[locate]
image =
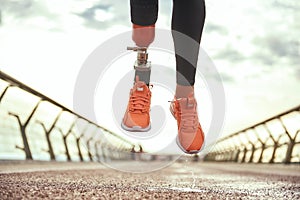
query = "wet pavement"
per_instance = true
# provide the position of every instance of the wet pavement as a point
(185, 180)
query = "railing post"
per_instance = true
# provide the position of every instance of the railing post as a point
(89, 146)
(231, 150)
(65, 137)
(236, 151)
(50, 151)
(275, 143)
(3, 93)
(48, 132)
(66, 148)
(96, 150)
(26, 147)
(244, 147)
(78, 147)
(262, 145)
(23, 130)
(244, 156)
(236, 159)
(78, 141)
(289, 151)
(252, 152)
(290, 144)
(252, 148)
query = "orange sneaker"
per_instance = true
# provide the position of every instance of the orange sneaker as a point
(190, 135)
(137, 115)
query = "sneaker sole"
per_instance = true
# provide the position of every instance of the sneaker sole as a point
(135, 128)
(191, 151)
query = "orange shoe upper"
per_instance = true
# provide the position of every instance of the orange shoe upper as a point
(190, 134)
(138, 109)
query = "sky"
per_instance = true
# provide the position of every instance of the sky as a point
(254, 45)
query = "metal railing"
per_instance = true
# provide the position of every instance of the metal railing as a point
(275, 140)
(33, 126)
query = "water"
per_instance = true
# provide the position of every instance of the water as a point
(190, 170)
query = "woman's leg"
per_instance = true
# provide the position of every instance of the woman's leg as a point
(187, 25)
(188, 19)
(143, 18)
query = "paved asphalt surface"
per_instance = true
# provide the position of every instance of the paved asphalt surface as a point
(185, 180)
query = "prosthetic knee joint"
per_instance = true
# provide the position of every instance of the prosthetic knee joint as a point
(142, 66)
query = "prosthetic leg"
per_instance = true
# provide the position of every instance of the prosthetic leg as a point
(143, 18)
(142, 66)
(137, 115)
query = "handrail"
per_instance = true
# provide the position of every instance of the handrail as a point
(23, 128)
(296, 108)
(21, 85)
(242, 152)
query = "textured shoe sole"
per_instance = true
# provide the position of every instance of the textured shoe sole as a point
(189, 152)
(135, 128)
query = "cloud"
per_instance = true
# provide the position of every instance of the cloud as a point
(0, 17)
(278, 46)
(96, 16)
(264, 59)
(111, 13)
(269, 40)
(90, 13)
(29, 14)
(211, 27)
(229, 53)
(26, 9)
(17, 8)
(120, 10)
(287, 4)
(226, 77)
(90, 16)
(274, 50)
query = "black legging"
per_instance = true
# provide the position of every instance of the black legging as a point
(188, 18)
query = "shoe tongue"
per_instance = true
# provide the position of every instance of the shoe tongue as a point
(188, 103)
(140, 87)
